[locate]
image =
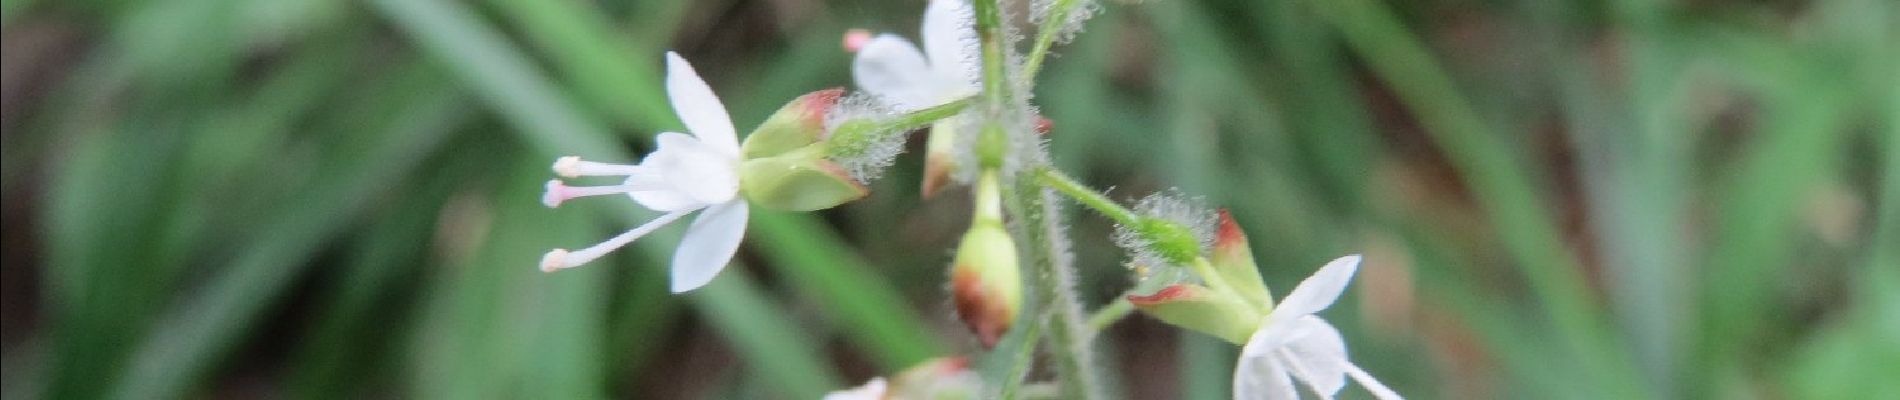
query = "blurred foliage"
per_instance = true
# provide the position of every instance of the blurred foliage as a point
(1558, 199)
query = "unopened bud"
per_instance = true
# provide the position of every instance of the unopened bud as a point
(796, 125)
(940, 158)
(799, 180)
(1204, 310)
(986, 282)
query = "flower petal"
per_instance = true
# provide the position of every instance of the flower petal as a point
(950, 39)
(891, 68)
(697, 107)
(1260, 377)
(1318, 291)
(709, 244)
(695, 168)
(1319, 353)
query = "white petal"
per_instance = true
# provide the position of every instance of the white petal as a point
(709, 245)
(1320, 290)
(1260, 377)
(950, 39)
(873, 390)
(694, 168)
(891, 68)
(697, 107)
(1320, 353)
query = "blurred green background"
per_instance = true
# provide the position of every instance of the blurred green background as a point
(1559, 199)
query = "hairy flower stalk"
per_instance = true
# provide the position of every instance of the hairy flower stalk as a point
(1035, 211)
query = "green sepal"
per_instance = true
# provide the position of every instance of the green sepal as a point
(1234, 261)
(799, 180)
(1200, 309)
(796, 125)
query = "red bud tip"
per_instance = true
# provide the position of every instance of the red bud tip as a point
(982, 310)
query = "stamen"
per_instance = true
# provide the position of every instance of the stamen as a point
(558, 259)
(572, 167)
(856, 39)
(558, 191)
(1372, 385)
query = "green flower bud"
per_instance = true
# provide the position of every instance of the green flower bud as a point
(796, 125)
(986, 278)
(939, 156)
(1204, 310)
(798, 180)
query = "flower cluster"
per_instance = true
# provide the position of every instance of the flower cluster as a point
(1193, 266)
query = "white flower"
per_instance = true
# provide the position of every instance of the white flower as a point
(892, 69)
(873, 390)
(687, 173)
(1292, 344)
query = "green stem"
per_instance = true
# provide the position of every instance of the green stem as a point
(1067, 186)
(853, 137)
(918, 118)
(1046, 36)
(990, 37)
(1110, 313)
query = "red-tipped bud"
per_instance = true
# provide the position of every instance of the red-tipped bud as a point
(939, 157)
(986, 282)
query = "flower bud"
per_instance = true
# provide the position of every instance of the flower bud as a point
(798, 180)
(986, 279)
(1198, 308)
(796, 125)
(986, 282)
(940, 157)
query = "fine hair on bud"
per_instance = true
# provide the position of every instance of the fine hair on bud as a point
(1174, 207)
(1079, 12)
(873, 151)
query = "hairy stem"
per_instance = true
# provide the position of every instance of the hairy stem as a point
(1067, 186)
(1052, 22)
(1035, 211)
(1114, 311)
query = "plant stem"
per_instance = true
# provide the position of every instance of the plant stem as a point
(989, 35)
(1114, 311)
(1062, 183)
(1035, 211)
(1046, 36)
(918, 118)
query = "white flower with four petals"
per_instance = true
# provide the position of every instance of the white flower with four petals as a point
(894, 70)
(688, 173)
(1293, 344)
